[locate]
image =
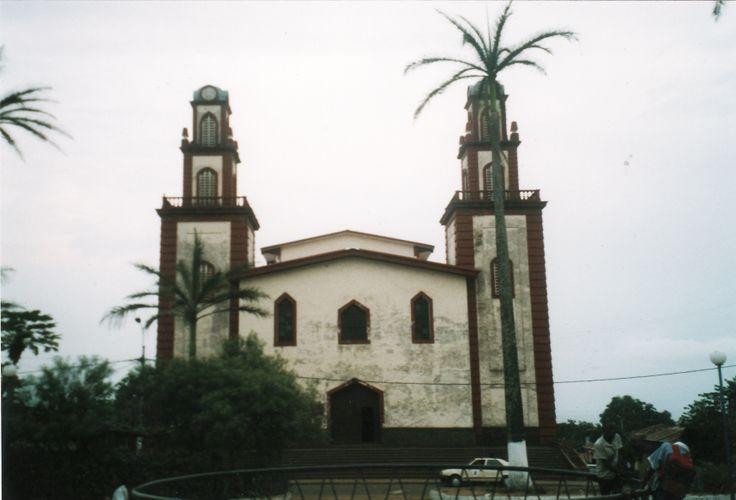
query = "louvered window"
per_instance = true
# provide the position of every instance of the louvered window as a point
(421, 319)
(465, 181)
(285, 321)
(206, 186)
(485, 125)
(495, 282)
(488, 178)
(206, 271)
(353, 323)
(208, 130)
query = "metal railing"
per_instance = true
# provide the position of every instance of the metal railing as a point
(384, 481)
(523, 195)
(204, 202)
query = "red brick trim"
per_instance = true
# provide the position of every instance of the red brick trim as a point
(472, 163)
(367, 324)
(464, 244)
(227, 176)
(238, 259)
(276, 341)
(475, 396)
(167, 266)
(187, 192)
(359, 253)
(514, 163)
(414, 338)
(350, 382)
(540, 328)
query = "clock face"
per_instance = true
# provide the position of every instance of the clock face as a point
(208, 93)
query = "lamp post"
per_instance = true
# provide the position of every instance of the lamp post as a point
(718, 358)
(139, 438)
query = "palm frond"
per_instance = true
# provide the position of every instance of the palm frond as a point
(717, 8)
(478, 35)
(439, 90)
(526, 62)
(531, 44)
(256, 311)
(22, 96)
(468, 37)
(431, 60)
(115, 316)
(496, 48)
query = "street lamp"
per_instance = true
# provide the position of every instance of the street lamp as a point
(718, 358)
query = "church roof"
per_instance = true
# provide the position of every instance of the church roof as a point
(361, 254)
(342, 240)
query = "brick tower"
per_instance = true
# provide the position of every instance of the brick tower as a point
(211, 207)
(470, 237)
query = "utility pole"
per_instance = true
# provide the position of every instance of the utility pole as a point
(718, 359)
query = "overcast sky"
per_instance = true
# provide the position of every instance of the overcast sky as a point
(629, 136)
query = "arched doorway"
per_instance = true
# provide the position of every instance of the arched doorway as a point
(356, 413)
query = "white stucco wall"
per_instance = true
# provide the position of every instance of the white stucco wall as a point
(251, 245)
(341, 242)
(200, 162)
(386, 289)
(489, 320)
(450, 233)
(212, 329)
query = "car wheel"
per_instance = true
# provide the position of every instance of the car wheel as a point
(456, 481)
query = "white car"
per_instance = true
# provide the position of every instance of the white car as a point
(470, 474)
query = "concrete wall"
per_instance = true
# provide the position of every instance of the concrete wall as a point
(212, 330)
(386, 289)
(343, 241)
(489, 320)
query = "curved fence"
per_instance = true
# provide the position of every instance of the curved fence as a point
(383, 481)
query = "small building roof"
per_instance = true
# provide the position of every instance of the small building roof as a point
(362, 254)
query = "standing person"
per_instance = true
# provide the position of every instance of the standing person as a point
(605, 452)
(671, 472)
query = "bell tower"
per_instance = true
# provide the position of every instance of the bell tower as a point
(211, 208)
(470, 238)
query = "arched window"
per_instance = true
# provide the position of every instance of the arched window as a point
(496, 284)
(485, 125)
(284, 321)
(422, 323)
(208, 130)
(353, 321)
(488, 178)
(206, 270)
(207, 185)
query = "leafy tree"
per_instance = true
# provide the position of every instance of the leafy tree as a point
(488, 59)
(58, 432)
(629, 414)
(195, 292)
(23, 329)
(577, 432)
(702, 420)
(20, 109)
(242, 406)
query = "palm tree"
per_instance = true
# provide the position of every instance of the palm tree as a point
(488, 59)
(18, 109)
(196, 291)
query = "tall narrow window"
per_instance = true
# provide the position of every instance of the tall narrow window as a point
(353, 321)
(485, 125)
(206, 270)
(465, 180)
(284, 321)
(206, 186)
(488, 179)
(422, 327)
(496, 284)
(208, 130)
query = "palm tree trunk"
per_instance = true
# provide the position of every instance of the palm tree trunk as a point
(512, 388)
(192, 339)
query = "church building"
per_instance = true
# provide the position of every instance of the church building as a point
(402, 349)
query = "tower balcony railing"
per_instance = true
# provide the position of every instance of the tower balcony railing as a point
(204, 202)
(523, 195)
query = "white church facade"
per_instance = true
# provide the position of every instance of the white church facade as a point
(403, 350)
